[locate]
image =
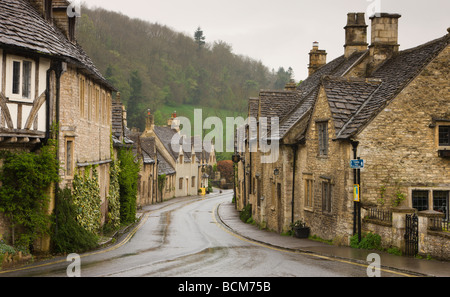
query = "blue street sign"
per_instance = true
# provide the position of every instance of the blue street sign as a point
(357, 164)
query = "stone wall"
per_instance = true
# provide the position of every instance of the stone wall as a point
(87, 126)
(400, 145)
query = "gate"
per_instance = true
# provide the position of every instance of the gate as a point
(412, 235)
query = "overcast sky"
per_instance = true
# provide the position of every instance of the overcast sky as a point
(281, 32)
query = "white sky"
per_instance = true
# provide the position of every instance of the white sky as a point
(281, 32)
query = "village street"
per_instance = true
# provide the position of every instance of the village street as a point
(184, 237)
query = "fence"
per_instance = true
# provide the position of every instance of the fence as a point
(380, 214)
(438, 224)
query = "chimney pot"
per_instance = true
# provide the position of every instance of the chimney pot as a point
(317, 58)
(384, 41)
(355, 33)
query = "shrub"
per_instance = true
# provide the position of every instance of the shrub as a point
(26, 180)
(69, 236)
(246, 213)
(369, 241)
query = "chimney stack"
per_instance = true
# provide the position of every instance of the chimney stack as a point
(355, 34)
(173, 121)
(149, 121)
(317, 58)
(291, 86)
(384, 40)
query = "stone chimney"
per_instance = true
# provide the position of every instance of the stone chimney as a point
(173, 120)
(384, 40)
(44, 7)
(291, 86)
(355, 34)
(317, 58)
(149, 121)
(57, 12)
(64, 20)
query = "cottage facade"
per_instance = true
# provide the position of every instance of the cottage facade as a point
(383, 105)
(48, 84)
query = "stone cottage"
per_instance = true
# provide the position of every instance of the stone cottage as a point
(47, 78)
(385, 106)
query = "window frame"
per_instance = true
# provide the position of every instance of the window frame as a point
(432, 198)
(327, 194)
(308, 183)
(447, 143)
(15, 79)
(323, 138)
(69, 157)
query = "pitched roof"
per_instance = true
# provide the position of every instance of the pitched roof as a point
(22, 27)
(165, 135)
(347, 95)
(164, 166)
(395, 74)
(309, 88)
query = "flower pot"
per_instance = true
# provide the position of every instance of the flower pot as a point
(301, 232)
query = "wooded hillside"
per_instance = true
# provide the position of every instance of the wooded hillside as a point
(153, 66)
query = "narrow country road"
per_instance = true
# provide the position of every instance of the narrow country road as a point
(183, 237)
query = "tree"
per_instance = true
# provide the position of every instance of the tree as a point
(199, 37)
(136, 106)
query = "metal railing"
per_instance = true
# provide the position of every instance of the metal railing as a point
(380, 214)
(438, 224)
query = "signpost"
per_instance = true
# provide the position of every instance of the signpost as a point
(357, 164)
(356, 193)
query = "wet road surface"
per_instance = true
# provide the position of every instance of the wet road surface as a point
(184, 238)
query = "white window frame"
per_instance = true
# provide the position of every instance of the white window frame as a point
(10, 79)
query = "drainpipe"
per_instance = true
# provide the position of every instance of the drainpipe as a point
(294, 150)
(356, 205)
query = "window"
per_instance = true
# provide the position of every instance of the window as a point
(89, 104)
(444, 135)
(326, 196)
(420, 200)
(440, 202)
(193, 181)
(21, 80)
(82, 96)
(180, 186)
(69, 157)
(309, 192)
(26, 79)
(322, 128)
(96, 105)
(16, 77)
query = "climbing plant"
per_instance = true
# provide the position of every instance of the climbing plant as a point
(26, 179)
(128, 182)
(114, 195)
(68, 235)
(87, 200)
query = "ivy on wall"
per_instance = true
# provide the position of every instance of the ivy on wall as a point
(128, 181)
(87, 200)
(114, 195)
(26, 180)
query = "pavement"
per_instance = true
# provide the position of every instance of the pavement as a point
(409, 265)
